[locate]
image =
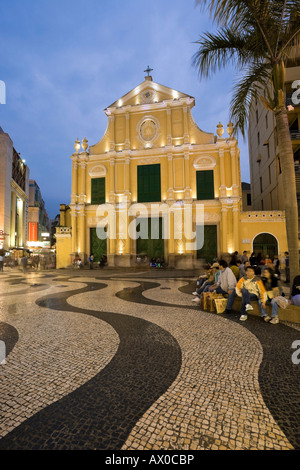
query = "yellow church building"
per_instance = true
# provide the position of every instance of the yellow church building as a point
(156, 185)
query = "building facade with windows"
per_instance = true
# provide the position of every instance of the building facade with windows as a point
(246, 197)
(265, 167)
(155, 172)
(38, 220)
(14, 190)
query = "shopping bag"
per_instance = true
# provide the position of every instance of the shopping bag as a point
(204, 300)
(213, 296)
(220, 305)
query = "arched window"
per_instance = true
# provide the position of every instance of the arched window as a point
(265, 244)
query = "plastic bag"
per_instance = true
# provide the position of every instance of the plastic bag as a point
(281, 301)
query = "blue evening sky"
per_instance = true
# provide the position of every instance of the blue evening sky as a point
(65, 61)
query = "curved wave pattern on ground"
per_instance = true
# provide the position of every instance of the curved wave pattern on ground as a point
(278, 378)
(101, 413)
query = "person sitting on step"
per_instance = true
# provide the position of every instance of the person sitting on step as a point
(270, 281)
(251, 288)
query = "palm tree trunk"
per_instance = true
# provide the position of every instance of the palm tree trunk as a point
(289, 188)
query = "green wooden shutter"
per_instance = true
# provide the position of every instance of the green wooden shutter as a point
(205, 185)
(152, 247)
(209, 251)
(97, 246)
(98, 191)
(149, 184)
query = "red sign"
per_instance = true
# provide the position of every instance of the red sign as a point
(32, 231)
(3, 235)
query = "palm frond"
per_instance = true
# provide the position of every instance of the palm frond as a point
(272, 19)
(255, 80)
(216, 51)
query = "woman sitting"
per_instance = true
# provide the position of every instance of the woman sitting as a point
(295, 293)
(270, 282)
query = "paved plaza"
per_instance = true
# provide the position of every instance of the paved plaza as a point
(115, 360)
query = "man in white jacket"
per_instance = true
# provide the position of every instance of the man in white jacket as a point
(226, 284)
(227, 280)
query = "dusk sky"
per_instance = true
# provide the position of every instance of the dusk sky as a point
(65, 61)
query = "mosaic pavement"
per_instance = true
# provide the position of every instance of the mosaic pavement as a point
(116, 361)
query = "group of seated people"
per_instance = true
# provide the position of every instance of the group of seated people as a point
(154, 262)
(157, 262)
(250, 282)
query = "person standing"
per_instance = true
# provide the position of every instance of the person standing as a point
(276, 263)
(91, 260)
(253, 259)
(242, 269)
(244, 257)
(1, 262)
(24, 263)
(287, 267)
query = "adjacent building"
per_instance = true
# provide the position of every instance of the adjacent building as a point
(265, 168)
(38, 220)
(246, 197)
(14, 191)
(155, 172)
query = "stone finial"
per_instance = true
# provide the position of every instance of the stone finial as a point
(220, 130)
(77, 145)
(230, 129)
(85, 144)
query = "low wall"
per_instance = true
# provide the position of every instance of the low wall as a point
(291, 313)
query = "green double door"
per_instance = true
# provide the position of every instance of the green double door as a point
(97, 246)
(153, 245)
(265, 244)
(209, 251)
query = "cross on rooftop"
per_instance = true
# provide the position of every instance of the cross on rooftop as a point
(148, 70)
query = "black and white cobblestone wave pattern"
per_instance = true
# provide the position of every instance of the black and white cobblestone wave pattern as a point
(279, 377)
(101, 413)
(100, 416)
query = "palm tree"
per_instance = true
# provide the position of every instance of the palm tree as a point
(258, 37)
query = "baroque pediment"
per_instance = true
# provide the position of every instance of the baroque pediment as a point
(148, 92)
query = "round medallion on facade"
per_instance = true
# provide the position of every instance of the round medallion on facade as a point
(148, 130)
(147, 96)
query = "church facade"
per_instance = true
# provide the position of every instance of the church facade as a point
(157, 186)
